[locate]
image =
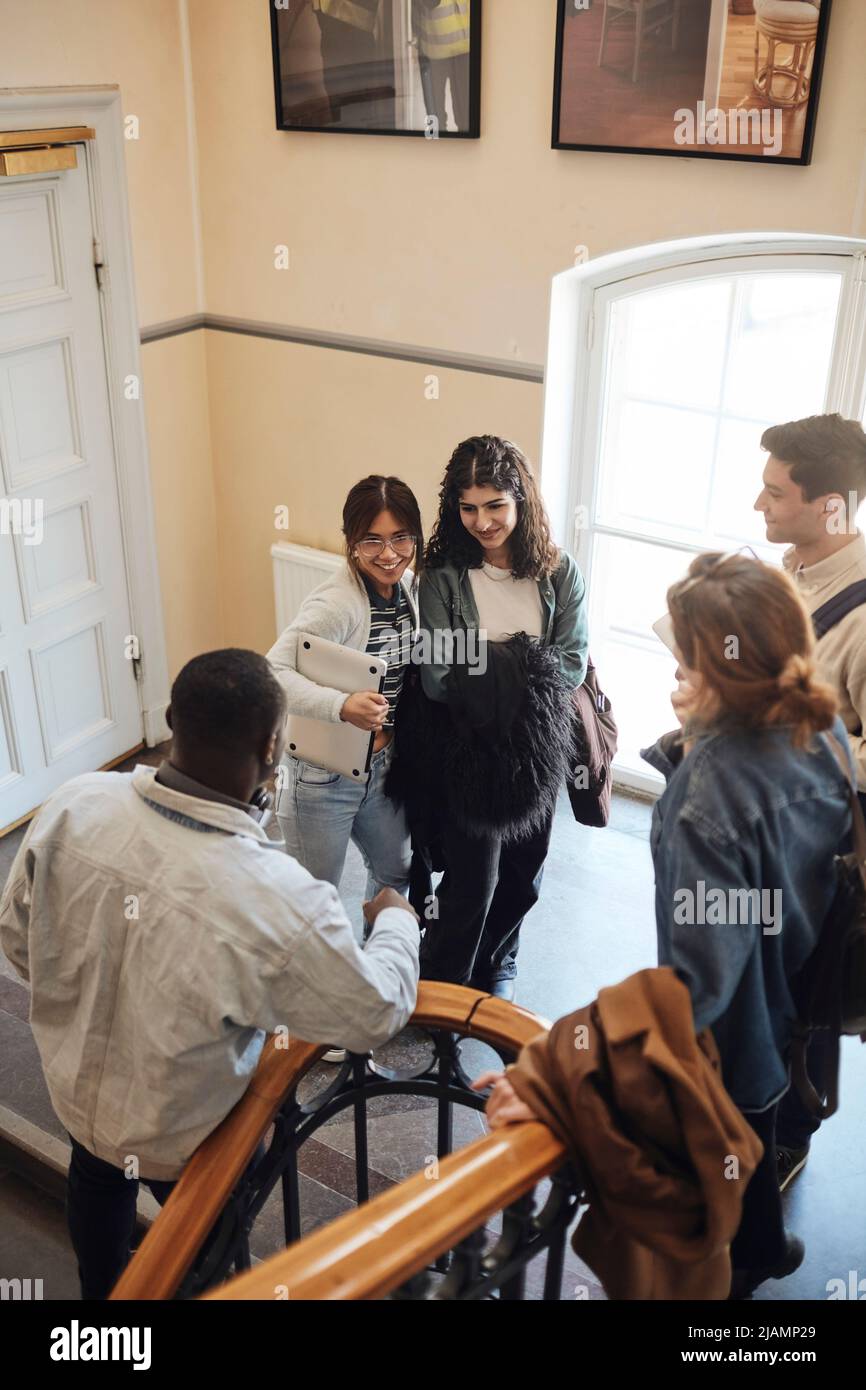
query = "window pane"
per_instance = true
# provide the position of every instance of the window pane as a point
(630, 580)
(740, 463)
(695, 372)
(668, 344)
(658, 470)
(781, 346)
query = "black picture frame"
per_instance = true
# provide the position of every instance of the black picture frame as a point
(277, 8)
(567, 12)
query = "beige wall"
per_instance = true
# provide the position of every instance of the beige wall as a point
(136, 45)
(450, 245)
(317, 422)
(446, 245)
(176, 395)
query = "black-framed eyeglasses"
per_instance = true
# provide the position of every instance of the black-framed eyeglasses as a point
(402, 545)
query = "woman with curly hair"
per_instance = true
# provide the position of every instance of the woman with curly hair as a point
(503, 614)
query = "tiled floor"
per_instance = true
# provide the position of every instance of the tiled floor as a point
(592, 927)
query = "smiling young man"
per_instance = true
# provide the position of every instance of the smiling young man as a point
(814, 483)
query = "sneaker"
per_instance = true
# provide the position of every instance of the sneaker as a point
(335, 1054)
(789, 1162)
(745, 1281)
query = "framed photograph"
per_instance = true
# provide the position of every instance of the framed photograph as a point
(706, 79)
(378, 67)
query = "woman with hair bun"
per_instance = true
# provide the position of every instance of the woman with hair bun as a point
(743, 842)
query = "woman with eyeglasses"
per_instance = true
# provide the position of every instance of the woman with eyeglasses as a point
(370, 605)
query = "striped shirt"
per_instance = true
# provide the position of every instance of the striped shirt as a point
(391, 639)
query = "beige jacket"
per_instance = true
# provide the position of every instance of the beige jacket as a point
(163, 936)
(841, 653)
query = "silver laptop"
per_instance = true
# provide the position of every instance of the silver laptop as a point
(335, 747)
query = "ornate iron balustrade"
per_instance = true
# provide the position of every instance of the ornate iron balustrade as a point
(203, 1232)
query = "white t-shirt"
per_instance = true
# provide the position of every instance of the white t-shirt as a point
(506, 605)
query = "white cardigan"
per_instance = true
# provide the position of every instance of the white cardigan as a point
(339, 611)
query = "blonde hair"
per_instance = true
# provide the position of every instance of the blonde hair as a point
(742, 626)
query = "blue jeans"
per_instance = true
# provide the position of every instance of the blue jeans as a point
(320, 812)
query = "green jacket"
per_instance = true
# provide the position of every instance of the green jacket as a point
(446, 604)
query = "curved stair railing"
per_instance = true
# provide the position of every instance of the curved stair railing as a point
(201, 1235)
(393, 1246)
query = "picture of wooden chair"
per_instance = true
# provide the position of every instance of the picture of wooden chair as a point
(650, 16)
(785, 23)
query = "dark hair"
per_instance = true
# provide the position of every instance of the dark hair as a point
(825, 454)
(227, 699)
(488, 461)
(769, 677)
(366, 500)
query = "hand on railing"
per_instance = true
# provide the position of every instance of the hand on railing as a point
(504, 1106)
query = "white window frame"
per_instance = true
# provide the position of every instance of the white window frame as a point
(100, 107)
(577, 357)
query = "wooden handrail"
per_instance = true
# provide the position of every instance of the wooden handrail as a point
(369, 1252)
(173, 1241)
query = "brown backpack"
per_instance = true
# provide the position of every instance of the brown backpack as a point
(595, 741)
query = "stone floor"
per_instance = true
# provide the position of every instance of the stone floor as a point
(593, 926)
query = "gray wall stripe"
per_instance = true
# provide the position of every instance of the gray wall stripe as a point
(371, 347)
(173, 328)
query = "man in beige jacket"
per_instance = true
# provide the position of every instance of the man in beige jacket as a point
(163, 934)
(814, 483)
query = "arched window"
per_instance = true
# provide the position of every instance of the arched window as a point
(665, 365)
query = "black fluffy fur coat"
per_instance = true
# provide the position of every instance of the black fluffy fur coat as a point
(493, 758)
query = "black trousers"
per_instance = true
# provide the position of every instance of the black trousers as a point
(760, 1239)
(486, 891)
(100, 1211)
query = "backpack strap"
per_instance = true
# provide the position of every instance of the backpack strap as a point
(838, 607)
(858, 821)
(800, 1079)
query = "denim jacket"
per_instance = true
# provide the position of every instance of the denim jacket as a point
(743, 841)
(446, 604)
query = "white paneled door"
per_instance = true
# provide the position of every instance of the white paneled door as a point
(68, 696)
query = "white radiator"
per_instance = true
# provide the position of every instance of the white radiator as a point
(297, 570)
